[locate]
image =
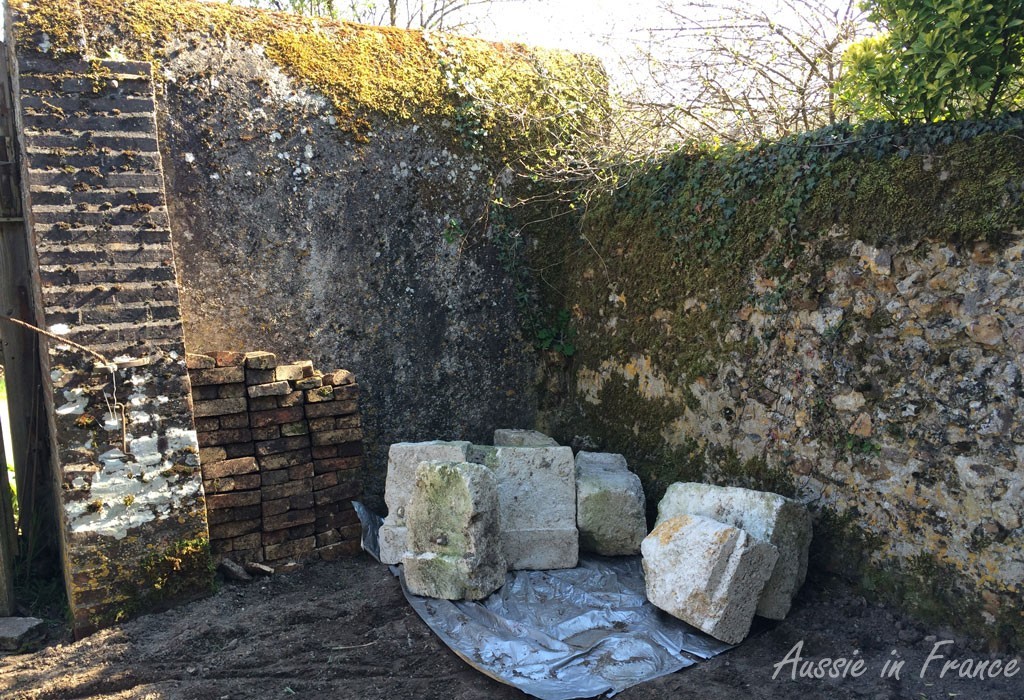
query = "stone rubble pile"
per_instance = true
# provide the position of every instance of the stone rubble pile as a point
(461, 515)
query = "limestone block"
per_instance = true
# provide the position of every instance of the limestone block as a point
(537, 503)
(403, 458)
(770, 517)
(610, 505)
(507, 437)
(707, 574)
(453, 536)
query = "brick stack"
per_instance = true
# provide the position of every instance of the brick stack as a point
(281, 449)
(231, 475)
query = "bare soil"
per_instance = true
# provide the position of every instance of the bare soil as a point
(344, 630)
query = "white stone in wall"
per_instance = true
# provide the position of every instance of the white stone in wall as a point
(403, 459)
(610, 505)
(783, 522)
(508, 437)
(455, 549)
(537, 500)
(707, 574)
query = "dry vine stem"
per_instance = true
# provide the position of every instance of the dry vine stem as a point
(107, 364)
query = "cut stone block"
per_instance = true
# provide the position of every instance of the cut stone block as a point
(454, 542)
(20, 633)
(610, 505)
(403, 459)
(537, 500)
(508, 437)
(770, 517)
(707, 574)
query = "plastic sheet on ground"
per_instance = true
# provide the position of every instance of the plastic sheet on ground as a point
(569, 633)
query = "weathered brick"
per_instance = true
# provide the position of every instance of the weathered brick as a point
(322, 424)
(302, 501)
(226, 484)
(273, 389)
(337, 437)
(325, 451)
(323, 466)
(231, 391)
(279, 416)
(218, 375)
(234, 421)
(219, 407)
(249, 544)
(314, 382)
(206, 424)
(234, 528)
(273, 477)
(332, 536)
(301, 471)
(270, 433)
(295, 398)
(260, 360)
(220, 546)
(240, 449)
(289, 519)
(344, 491)
(288, 534)
(259, 376)
(224, 437)
(352, 421)
(289, 488)
(205, 393)
(264, 403)
(226, 515)
(331, 408)
(296, 428)
(294, 371)
(290, 549)
(285, 459)
(333, 552)
(211, 454)
(230, 467)
(325, 480)
(228, 358)
(290, 444)
(339, 377)
(233, 500)
(195, 361)
(339, 517)
(324, 393)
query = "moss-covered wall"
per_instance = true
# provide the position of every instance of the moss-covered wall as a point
(329, 189)
(838, 317)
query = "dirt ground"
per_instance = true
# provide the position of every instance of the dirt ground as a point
(344, 630)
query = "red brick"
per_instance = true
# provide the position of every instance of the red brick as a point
(325, 480)
(205, 393)
(325, 451)
(212, 454)
(207, 424)
(196, 361)
(219, 407)
(272, 389)
(296, 370)
(339, 377)
(318, 424)
(295, 398)
(263, 403)
(240, 449)
(324, 393)
(231, 391)
(270, 433)
(301, 471)
(254, 377)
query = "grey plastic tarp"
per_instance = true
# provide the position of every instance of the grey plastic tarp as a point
(567, 633)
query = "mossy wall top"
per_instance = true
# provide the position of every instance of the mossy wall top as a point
(400, 74)
(837, 317)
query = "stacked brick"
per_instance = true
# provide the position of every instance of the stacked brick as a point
(281, 453)
(100, 234)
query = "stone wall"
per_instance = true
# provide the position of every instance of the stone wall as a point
(875, 375)
(121, 423)
(282, 455)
